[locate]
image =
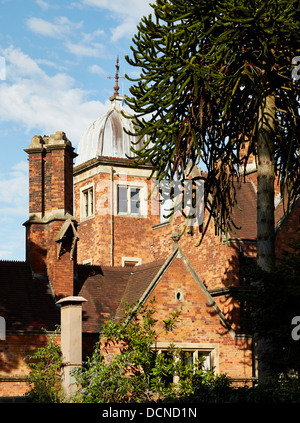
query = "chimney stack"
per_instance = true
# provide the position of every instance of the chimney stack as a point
(51, 228)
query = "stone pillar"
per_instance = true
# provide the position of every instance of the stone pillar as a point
(71, 339)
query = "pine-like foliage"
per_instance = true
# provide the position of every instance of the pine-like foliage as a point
(207, 69)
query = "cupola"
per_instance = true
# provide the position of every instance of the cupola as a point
(106, 136)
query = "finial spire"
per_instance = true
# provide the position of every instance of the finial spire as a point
(116, 99)
(116, 87)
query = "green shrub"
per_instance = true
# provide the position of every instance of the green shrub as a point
(45, 376)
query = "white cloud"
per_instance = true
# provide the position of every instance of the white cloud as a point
(20, 64)
(13, 211)
(128, 13)
(127, 27)
(86, 50)
(51, 64)
(42, 4)
(61, 26)
(96, 69)
(14, 190)
(131, 8)
(65, 30)
(34, 99)
(87, 47)
(12, 235)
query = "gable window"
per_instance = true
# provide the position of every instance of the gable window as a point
(87, 202)
(129, 200)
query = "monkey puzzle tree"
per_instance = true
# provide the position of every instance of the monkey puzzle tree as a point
(216, 76)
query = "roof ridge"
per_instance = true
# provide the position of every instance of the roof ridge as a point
(149, 265)
(14, 262)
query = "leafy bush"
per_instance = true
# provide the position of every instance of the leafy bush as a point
(137, 371)
(45, 376)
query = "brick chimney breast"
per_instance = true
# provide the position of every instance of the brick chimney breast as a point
(50, 205)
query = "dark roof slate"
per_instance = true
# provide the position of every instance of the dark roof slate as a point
(105, 287)
(26, 301)
(244, 215)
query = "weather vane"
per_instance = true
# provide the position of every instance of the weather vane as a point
(117, 77)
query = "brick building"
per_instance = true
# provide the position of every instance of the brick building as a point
(111, 245)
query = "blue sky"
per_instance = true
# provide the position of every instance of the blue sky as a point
(55, 60)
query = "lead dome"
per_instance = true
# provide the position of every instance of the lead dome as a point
(106, 136)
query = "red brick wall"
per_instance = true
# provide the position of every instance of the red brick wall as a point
(50, 174)
(132, 236)
(289, 232)
(36, 180)
(41, 252)
(36, 247)
(50, 191)
(199, 323)
(215, 262)
(14, 369)
(60, 270)
(59, 179)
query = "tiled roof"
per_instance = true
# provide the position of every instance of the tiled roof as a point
(26, 302)
(138, 281)
(104, 287)
(244, 215)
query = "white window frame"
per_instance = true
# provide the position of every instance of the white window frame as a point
(142, 186)
(136, 260)
(85, 215)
